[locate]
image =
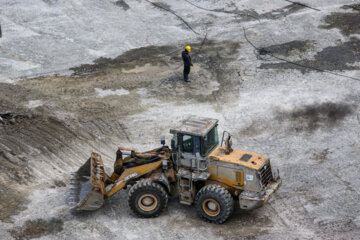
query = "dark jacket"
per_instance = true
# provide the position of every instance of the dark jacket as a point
(186, 58)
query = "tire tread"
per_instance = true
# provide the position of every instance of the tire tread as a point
(147, 184)
(225, 197)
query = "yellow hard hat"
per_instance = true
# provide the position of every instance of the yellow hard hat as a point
(188, 48)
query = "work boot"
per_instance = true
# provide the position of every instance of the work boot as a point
(186, 78)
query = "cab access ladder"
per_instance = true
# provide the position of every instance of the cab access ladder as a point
(187, 175)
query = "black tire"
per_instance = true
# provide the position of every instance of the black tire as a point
(214, 204)
(147, 198)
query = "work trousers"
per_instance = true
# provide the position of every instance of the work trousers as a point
(186, 72)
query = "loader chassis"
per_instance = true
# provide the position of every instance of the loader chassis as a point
(195, 168)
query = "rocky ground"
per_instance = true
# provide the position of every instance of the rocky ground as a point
(81, 76)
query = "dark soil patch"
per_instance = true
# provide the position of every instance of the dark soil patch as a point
(289, 48)
(12, 202)
(330, 58)
(320, 157)
(123, 4)
(348, 23)
(11, 96)
(345, 225)
(37, 228)
(309, 196)
(312, 117)
(59, 183)
(212, 60)
(210, 57)
(255, 128)
(129, 59)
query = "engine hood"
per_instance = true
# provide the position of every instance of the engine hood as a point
(248, 159)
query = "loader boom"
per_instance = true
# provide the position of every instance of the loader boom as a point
(90, 181)
(132, 173)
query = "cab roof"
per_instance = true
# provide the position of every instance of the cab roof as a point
(196, 126)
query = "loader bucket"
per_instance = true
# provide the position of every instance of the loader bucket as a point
(87, 185)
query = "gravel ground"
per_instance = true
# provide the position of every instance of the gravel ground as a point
(82, 76)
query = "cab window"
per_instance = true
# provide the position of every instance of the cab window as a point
(187, 144)
(175, 139)
(210, 141)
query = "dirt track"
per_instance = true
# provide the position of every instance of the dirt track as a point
(302, 118)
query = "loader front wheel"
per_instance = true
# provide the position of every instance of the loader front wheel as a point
(214, 204)
(147, 198)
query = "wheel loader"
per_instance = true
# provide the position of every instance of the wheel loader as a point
(196, 168)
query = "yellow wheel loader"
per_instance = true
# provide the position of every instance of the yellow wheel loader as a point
(195, 168)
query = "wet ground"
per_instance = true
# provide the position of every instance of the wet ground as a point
(283, 78)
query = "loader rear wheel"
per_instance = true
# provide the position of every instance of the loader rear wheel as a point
(214, 204)
(147, 198)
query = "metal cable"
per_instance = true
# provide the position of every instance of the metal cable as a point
(171, 11)
(304, 5)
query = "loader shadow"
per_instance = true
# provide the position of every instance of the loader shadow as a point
(242, 224)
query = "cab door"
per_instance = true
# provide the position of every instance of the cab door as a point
(189, 146)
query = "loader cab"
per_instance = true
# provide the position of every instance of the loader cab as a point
(195, 136)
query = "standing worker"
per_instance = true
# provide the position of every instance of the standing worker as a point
(187, 62)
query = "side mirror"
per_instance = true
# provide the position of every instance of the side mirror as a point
(163, 140)
(172, 144)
